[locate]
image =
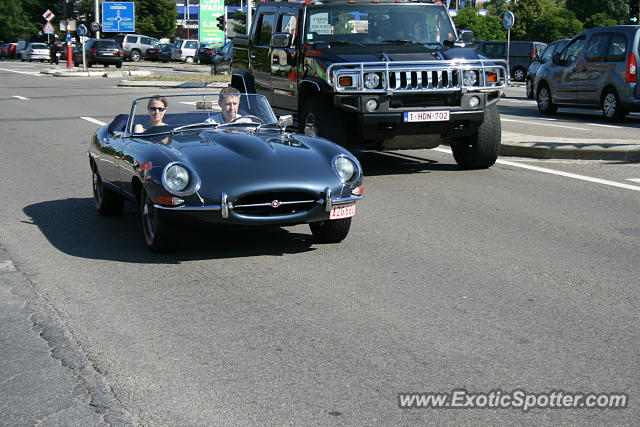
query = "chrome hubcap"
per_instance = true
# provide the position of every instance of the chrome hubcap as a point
(543, 98)
(97, 188)
(148, 212)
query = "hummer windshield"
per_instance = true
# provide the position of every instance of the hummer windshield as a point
(360, 24)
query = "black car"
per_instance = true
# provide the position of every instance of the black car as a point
(153, 53)
(206, 52)
(165, 53)
(103, 51)
(221, 63)
(520, 53)
(197, 166)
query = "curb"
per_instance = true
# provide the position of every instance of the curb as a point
(80, 73)
(153, 83)
(515, 144)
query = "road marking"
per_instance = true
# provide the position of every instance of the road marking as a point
(22, 98)
(21, 72)
(607, 126)
(633, 179)
(542, 124)
(554, 172)
(92, 120)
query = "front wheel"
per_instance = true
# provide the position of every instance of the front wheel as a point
(189, 59)
(518, 74)
(107, 201)
(158, 233)
(529, 89)
(330, 231)
(480, 151)
(545, 102)
(321, 118)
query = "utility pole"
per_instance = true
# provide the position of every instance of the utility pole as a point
(97, 11)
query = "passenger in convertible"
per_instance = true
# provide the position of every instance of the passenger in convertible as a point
(157, 107)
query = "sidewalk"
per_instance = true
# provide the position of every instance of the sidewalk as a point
(45, 378)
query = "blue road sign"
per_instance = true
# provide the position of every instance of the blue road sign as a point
(118, 17)
(508, 20)
(81, 30)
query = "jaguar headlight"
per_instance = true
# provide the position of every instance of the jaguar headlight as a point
(177, 179)
(346, 169)
(470, 77)
(371, 80)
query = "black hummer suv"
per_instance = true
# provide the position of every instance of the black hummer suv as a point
(378, 74)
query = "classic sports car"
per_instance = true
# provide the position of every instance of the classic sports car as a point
(194, 165)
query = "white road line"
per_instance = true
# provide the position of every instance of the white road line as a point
(21, 72)
(607, 126)
(22, 98)
(554, 172)
(633, 179)
(92, 120)
(542, 124)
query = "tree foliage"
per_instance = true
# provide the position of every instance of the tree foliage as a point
(556, 24)
(15, 24)
(614, 9)
(599, 20)
(527, 12)
(484, 27)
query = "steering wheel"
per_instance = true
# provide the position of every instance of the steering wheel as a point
(247, 116)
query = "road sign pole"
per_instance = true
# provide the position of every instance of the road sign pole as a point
(508, 49)
(69, 50)
(97, 11)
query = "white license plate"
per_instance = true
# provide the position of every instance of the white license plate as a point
(343, 211)
(426, 116)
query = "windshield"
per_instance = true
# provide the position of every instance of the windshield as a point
(360, 24)
(163, 114)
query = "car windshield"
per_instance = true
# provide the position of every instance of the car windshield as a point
(360, 24)
(180, 112)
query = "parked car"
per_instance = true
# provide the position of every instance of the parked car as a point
(153, 53)
(63, 49)
(521, 54)
(135, 46)
(206, 52)
(221, 63)
(102, 51)
(249, 171)
(20, 45)
(38, 51)
(538, 61)
(597, 69)
(184, 50)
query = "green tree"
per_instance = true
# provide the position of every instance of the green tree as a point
(556, 24)
(14, 22)
(527, 12)
(497, 7)
(484, 27)
(614, 9)
(598, 20)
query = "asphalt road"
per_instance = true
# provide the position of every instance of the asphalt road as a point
(507, 278)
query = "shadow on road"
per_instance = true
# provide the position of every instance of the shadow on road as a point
(375, 163)
(74, 227)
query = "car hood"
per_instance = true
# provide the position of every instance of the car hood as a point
(240, 162)
(400, 53)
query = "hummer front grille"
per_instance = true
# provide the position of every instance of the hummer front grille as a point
(418, 76)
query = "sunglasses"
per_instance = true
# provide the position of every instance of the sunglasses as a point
(161, 109)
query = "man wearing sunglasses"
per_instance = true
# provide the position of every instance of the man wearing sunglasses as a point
(157, 106)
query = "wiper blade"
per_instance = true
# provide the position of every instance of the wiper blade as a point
(398, 41)
(345, 42)
(194, 125)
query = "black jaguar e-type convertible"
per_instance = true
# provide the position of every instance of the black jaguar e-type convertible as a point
(194, 165)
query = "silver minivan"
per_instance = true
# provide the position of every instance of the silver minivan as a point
(597, 69)
(184, 50)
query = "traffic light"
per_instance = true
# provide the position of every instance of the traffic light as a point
(221, 22)
(634, 10)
